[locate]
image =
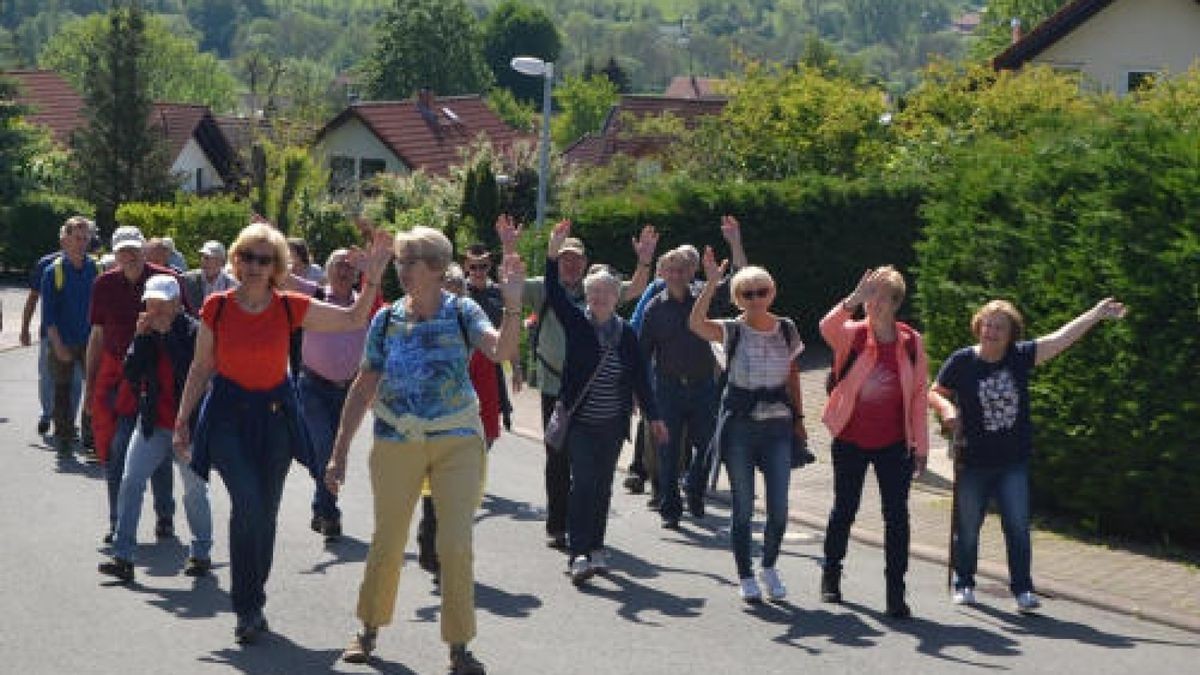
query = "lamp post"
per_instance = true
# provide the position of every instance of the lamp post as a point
(535, 67)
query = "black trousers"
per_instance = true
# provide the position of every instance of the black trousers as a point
(558, 478)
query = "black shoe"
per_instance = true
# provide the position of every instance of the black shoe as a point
(695, 505)
(197, 567)
(64, 446)
(655, 502)
(249, 629)
(332, 529)
(121, 569)
(427, 557)
(317, 524)
(43, 427)
(670, 523)
(557, 540)
(831, 586)
(898, 609)
(89, 443)
(89, 456)
(508, 422)
(165, 528)
(636, 485)
(463, 662)
(108, 537)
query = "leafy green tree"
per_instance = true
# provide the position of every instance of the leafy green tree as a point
(20, 144)
(217, 21)
(514, 113)
(994, 33)
(515, 28)
(583, 104)
(118, 157)
(426, 43)
(481, 203)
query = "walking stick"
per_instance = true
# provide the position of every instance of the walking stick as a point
(956, 450)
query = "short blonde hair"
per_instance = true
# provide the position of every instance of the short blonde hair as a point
(426, 244)
(263, 233)
(1016, 323)
(749, 276)
(890, 278)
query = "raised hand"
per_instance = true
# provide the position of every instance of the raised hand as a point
(558, 236)
(731, 230)
(508, 231)
(512, 279)
(863, 290)
(379, 254)
(1109, 308)
(645, 244)
(713, 271)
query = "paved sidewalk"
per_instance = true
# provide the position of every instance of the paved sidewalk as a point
(1097, 575)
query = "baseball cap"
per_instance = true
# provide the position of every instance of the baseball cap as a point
(127, 236)
(573, 245)
(161, 287)
(213, 248)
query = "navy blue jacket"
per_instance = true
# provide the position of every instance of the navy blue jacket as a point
(141, 364)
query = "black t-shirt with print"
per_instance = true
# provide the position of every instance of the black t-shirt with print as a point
(993, 403)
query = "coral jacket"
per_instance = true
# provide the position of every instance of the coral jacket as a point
(839, 330)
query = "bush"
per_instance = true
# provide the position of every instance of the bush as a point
(1054, 222)
(816, 234)
(190, 220)
(29, 228)
(325, 228)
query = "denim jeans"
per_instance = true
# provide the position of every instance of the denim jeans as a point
(693, 404)
(766, 445)
(253, 474)
(558, 477)
(893, 471)
(594, 452)
(322, 405)
(1010, 486)
(46, 383)
(161, 481)
(144, 457)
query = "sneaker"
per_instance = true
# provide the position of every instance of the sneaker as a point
(1027, 602)
(197, 567)
(599, 561)
(360, 647)
(108, 537)
(581, 570)
(64, 446)
(332, 529)
(670, 523)
(89, 456)
(636, 485)
(249, 629)
(463, 662)
(557, 540)
(165, 528)
(964, 596)
(317, 524)
(831, 586)
(775, 588)
(695, 505)
(43, 427)
(749, 591)
(655, 502)
(121, 569)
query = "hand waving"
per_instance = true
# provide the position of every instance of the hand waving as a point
(645, 244)
(508, 231)
(512, 279)
(713, 271)
(731, 230)
(558, 236)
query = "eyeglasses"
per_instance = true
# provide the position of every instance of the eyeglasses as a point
(479, 267)
(250, 258)
(755, 293)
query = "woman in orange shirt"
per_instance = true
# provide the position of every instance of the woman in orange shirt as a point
(249, 427)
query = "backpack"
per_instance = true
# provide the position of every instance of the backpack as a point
(790, 335)
(387, 324)
(860, 338)
(60, 275)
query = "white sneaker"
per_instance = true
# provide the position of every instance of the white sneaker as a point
(1027, 602)
(964, 596)
(775, 588)
(749, 590)
(599, 561)
(581, 570)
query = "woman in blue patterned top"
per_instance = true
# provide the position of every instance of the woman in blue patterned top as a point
(427, 424)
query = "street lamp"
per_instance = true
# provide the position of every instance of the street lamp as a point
(535, 67)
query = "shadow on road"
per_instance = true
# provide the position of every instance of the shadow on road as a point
(845, 629)
(495, 506)
(935, 639)
(345, 550)
(493, 600)
(275, 653)
(1043, 626)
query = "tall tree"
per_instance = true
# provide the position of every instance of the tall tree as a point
(426, 43)
(584, 104)
(119, 157)
(19, 144)
(517, 29)
(995, 28)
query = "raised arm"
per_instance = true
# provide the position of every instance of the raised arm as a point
(835, 326)
(1050, 346)
(503, 345)
(731, 231)
(508, 231)
(643, 247)
(556, 296)
(325, 317)
(698, 321)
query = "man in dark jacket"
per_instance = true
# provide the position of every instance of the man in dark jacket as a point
(157, 366)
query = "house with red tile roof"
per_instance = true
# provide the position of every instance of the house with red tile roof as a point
(426, 133)
(202, 156)
(1116, 45)
(615, 137)
(690, 86)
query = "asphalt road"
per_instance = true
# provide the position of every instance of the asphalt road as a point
(669, 606)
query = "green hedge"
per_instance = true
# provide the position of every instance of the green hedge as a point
(29, 228)
(190, 220)
(1054, 222)
(815, 235)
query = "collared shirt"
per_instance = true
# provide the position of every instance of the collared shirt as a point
(667, 342)
(223, 282)
(116, 303)
(334, 356)
(66, 307)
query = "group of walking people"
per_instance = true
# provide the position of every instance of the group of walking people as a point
(204, 369)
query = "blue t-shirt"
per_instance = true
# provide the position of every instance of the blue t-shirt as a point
(66, 308)
(993, 403)
(35, 276)
(423, 364)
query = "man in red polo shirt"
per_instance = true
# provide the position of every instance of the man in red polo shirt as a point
(115, 305)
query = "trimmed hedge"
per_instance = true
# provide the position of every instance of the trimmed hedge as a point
(1054, 222)
(815, 235)
(190, 221)
(29, 228)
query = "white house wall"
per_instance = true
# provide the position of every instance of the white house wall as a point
(1130, 36)
(354, 139)
(190, 159)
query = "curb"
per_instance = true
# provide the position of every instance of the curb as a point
(1047, 586)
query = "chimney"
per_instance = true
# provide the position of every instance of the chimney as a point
(425, 98)
(1016, 30)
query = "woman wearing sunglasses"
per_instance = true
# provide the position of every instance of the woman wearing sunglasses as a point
(250, 427)
(876, 414)
(762, 413)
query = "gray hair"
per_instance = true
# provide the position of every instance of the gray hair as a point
(454, 277)
(600, 275)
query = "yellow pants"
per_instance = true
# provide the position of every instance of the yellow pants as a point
(454, 467)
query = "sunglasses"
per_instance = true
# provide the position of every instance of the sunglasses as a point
(250, 258)
(755, 293)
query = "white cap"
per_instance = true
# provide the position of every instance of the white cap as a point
(213, 248)
(161, 287)
(127, 236)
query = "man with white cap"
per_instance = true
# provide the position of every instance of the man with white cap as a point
(210, 278)
(115, 305)
(156, 368)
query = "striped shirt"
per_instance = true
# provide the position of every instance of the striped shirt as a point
(603, 403)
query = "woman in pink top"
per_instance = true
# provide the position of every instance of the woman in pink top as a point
(876, 414)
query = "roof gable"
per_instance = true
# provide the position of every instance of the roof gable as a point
(1056, 27)
(598, 148)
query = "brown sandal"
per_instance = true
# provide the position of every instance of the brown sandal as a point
(360, 647)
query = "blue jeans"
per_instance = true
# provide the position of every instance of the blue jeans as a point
(594, 452)
(161, 482)
(893, 471)
(766, 445)
(253, 473)
(1010, 486)
(322, 405)
(144, 457)
(693, 404)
